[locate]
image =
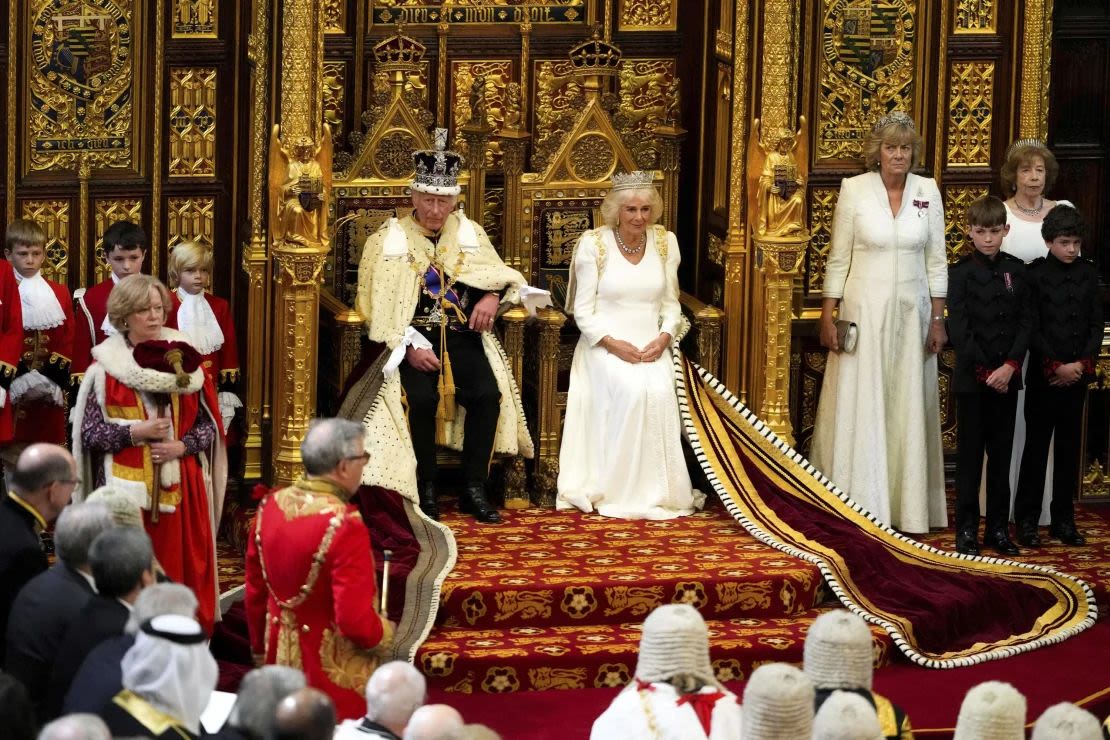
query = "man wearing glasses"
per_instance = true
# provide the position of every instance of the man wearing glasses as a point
(40, 487)
(311, 588)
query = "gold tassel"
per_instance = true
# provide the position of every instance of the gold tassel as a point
(445, 410)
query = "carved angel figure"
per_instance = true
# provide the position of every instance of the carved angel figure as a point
(300, 186)
(777, 202)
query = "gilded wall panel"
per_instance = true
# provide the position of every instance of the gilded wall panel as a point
(106, 211)
(866, 63)
(970, 114)
(79, 84)
(195, 19)
(822, 203)
(647, 15)
(956, 200)
(190, 219)
(715, 248)
(644, 87)
(478, 12)
(493, 211)
(335, 92)
(53, 216)
(975, 16)
(558, 96)
(192, 121)
(493, 77)
(335, 16)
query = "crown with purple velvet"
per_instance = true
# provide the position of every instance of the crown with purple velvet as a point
(437, 170)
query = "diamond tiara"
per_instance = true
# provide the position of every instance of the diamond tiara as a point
(1022, 143)
(899, 117)
(632, 180)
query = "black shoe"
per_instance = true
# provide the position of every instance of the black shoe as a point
(428, 503)
(478, 505)
(999, 539)
(1027, 535)
(967, 543)
(1068, 534)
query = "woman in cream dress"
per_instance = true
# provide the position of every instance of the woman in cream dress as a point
(1029, 171)
(622, 450)
(877, 434)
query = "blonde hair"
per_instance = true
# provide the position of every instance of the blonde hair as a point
(24, 231)
(894, 133)
(188, 256)
(611, 206)
(132, 295)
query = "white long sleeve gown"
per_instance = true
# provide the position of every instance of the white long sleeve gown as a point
(621, 451)
(877, 434)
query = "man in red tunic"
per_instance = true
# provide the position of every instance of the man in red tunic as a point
(37, 394)
(311, 589)
(125, 250)
(11, 344)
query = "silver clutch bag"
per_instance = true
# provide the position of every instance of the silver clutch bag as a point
(847, 333)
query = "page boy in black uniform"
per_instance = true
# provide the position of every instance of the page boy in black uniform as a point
(989, 323)
(1063, 347)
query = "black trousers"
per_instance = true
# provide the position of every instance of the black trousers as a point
(984, 423)
(475, 390)
(1049, 410)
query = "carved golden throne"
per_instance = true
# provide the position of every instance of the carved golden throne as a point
(370, 186)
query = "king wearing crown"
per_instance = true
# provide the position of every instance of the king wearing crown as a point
(430, 285)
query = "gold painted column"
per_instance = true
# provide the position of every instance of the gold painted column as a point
(670, 138)
(546, 476)
(300, 184)
(781, 263)
(476, 136)
(514, 143)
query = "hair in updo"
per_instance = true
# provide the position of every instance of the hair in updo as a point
(894, 132)
(611, 206)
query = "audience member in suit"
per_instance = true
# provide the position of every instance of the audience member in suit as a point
(49, 603)
(393, 693)
(41, 486)
(306, 714)
(168, 679)
(100, 677)
(433, 721)
(122, 565)
(17, 716)
(252, 717)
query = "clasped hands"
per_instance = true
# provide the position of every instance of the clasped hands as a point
(630, 353)
(154, 432)
(481, 319)
(1066, 374)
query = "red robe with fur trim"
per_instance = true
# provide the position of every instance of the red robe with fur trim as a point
(190, 491)
(11, 344)
(333, 632)
(49, 351)
(223, 364)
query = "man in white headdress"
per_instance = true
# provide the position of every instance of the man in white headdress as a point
(675, 693)
(430, 285)
(168, 677)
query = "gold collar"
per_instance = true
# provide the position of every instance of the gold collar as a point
(40, 522)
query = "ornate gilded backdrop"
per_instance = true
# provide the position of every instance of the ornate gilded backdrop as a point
(122, 109)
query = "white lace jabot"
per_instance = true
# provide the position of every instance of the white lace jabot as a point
(196, 319)
(41, 309)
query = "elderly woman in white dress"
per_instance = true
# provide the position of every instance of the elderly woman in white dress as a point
(622, 447)
(877, 434)
(1028, 173)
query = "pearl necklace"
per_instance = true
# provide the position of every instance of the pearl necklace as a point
(627, 249)
(1031, 212)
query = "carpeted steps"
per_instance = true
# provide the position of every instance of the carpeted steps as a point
(555, 599)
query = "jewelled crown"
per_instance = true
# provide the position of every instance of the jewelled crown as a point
(398, 52)
(1023, 143)
(437, 170)
(595, 56)
(899, 117)
(631, 180)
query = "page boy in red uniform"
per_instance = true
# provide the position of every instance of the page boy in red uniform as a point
(125, 250)
(37, 394)
(206, 320)
(11, 344)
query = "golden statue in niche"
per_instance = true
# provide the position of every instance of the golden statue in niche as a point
(300, 186)
(780, 158)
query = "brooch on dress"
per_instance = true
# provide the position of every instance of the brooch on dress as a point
(922, 206)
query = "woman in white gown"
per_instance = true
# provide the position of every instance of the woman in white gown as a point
(1029, 171)
(877, 434)
(621, 453)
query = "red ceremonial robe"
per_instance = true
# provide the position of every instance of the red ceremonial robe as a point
(11, 343)
(311, 591)
(222, 364)
(90, 306)
(190, 491)
(50, 351)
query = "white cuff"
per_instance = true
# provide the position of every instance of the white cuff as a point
(3, 398)
(412, 337)
(534, 298)
(34, 386)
